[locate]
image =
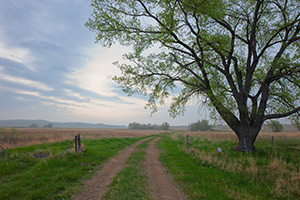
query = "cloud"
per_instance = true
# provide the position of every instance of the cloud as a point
(89, 108)
(22, 81)
(95, 76)
(73, 94)
(16, 54)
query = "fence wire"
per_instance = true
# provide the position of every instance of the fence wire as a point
(68, 147)
(3, 151)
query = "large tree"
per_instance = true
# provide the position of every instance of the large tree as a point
(241, 57)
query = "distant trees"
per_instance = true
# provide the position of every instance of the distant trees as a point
(200, 126)
(275, 126)
(297, 125)
(138, 126)
(33, 125)
(296, 122)
(48, 125)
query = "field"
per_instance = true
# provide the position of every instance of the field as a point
(209, 168)
(16, 137)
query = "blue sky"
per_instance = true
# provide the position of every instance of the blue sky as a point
(51, 68)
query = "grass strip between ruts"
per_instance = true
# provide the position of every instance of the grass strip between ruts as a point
(132, 181)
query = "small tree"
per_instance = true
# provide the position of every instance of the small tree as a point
(200, 126)
(165, 126)
(275, 126)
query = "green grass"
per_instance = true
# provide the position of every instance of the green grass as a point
(131, 182)
(24, 177)
(204, 173)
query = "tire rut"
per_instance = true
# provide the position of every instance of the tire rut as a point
(163, 185)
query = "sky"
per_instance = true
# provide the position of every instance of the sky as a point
(52, 69)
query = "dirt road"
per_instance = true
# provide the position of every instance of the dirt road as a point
(164, 188)
(96, 186)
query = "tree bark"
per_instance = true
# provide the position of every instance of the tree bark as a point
(247, 137)
(245, 144)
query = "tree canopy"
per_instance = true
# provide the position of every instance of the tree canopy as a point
(239, 57)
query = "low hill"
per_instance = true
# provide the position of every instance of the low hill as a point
(41, 123)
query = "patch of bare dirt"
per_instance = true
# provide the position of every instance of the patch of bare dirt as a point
(96, 186)
(164, 187)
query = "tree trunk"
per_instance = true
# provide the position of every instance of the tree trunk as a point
(247, 137)
(246, 144)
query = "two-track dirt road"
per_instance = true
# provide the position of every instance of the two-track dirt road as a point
(162, 183)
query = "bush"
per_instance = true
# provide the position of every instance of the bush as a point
(275, 126)
(200, 126)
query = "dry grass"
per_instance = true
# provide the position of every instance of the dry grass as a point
(267, 165)
(34, 136)
(227, 135)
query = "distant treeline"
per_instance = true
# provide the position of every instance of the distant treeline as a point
(200, 126)
(34, 125)
(163, 126)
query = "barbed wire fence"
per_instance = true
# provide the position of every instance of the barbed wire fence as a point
(3, 151)
(69, 147)
(77, 145)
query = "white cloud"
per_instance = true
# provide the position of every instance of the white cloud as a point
(73, 94)
(17, 54)
(96, 75)
(22, 81)
(92, 108)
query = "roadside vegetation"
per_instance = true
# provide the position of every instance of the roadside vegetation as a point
(47, 171)
(206, 173)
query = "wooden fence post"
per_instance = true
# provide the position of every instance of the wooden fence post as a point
(187, 143)
(79, 142)
(76, 143)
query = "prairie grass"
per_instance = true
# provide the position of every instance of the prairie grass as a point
(58, 175)
(273, 170)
